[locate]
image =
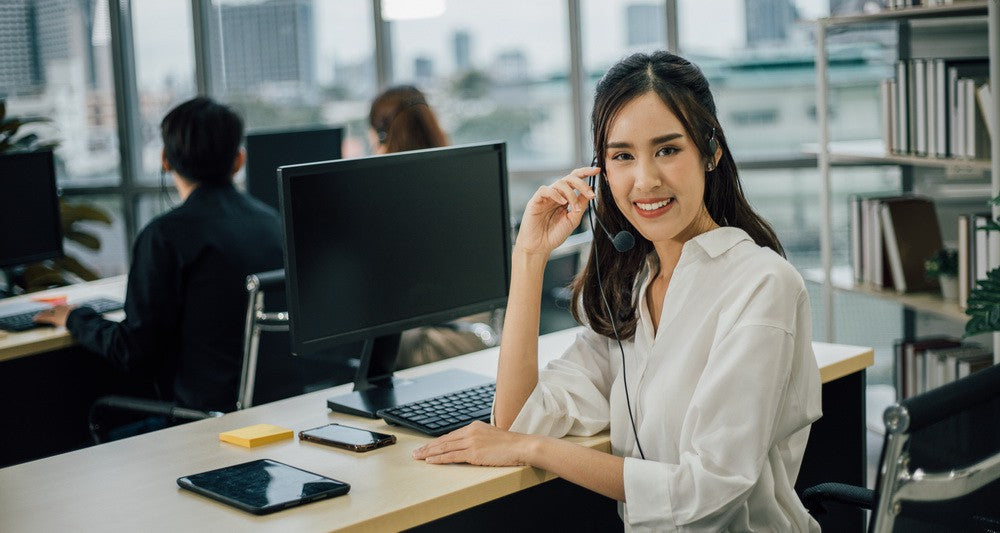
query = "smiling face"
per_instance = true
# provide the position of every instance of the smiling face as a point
(656, 172)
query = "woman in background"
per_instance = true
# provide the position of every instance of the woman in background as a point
(400, 120)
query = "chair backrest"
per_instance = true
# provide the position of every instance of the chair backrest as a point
(270, 372)
(940, 466)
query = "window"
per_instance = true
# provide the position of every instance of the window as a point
(296, 62)
(55, 62)
(494, 70)
(164, 66)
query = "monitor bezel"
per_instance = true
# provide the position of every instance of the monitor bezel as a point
(50, 177)
(287, 174)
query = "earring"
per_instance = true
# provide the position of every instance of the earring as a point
(710, 166)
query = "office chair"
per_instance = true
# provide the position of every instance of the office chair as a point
(269, 372)
(940, 464)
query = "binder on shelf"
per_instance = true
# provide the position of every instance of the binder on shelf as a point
(919, 89)
(910, 368)
(985, 99)
(902, 107)
(964, 252)
(912, 236)
(941, 108)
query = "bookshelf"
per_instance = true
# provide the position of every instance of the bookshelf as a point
(916, 40)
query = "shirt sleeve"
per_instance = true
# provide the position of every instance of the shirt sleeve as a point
(152, 310)
(731, 426)
(571, 397)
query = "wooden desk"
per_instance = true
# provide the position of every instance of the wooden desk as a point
(39, 340)
(130, 484)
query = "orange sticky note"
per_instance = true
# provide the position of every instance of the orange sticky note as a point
(256, 435)
(54, 300)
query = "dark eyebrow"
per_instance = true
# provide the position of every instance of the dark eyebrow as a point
(656, 140)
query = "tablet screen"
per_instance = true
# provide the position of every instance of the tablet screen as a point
(263, 486)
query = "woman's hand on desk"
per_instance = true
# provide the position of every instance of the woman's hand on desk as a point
(478, 444)
(55, 316)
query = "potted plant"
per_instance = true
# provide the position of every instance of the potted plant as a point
(63, 270)
(944, 266)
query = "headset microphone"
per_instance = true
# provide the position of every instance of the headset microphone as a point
(623, 241)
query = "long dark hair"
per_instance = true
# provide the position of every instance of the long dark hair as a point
(683, 88)
(403, 121)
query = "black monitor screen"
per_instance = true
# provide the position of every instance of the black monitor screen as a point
(268, 150)
(382, 244)
(29, 209)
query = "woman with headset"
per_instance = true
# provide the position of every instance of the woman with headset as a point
(698, 351)
(401, 120)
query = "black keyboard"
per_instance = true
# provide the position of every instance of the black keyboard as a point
(447, 412)
(23, 321)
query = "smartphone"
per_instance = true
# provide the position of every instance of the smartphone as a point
(347, 437)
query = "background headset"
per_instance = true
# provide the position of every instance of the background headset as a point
(623, 241)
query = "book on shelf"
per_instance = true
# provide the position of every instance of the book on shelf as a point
(869, 258)
(930, 108)
(909, 367)
(941, 364)
(973, 253)
(911, 237)
(985, 98)
(964, 273)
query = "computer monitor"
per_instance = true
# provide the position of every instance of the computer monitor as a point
(29, 209)
(269, 149)
(378, 245)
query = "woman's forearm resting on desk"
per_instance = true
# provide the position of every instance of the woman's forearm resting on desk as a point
(482, 444)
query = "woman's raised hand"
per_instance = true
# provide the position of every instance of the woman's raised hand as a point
(554, 211)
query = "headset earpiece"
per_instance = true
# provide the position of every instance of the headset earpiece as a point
(713, 147)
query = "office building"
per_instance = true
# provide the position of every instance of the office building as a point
(768, 22)
(266, 42)
(463, 50)
(646, 24)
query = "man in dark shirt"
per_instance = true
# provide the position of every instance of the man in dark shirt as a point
(186, 300)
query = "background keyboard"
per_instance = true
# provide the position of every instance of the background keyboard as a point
(24, 321)
(447, 412)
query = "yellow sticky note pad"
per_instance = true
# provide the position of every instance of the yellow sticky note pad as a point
(256, 435)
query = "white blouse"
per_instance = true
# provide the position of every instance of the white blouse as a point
(723, 395)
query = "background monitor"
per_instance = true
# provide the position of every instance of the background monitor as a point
(268, 150)
(29, 209)
(378, 245)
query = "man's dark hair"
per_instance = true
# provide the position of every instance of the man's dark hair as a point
(201, 139)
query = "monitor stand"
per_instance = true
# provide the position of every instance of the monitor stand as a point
(375, 388)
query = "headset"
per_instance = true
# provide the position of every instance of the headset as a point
(382, 133)
(623, 241)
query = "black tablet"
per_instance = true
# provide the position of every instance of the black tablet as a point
(263, 486)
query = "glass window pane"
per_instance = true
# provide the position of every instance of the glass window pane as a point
(494, 70)
(297, 62)
(55, 62)
(149, 206)
(164, 65)
(111, 256)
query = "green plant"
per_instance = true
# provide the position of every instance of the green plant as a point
(62, 270)
(942, 263)
(984, 299)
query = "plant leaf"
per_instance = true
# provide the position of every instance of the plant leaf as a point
(71, 264)
(84, 239)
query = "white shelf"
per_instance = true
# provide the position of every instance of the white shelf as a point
(959, 9)
(927, 302)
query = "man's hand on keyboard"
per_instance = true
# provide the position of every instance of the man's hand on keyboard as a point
(478, 444)
(56, 316)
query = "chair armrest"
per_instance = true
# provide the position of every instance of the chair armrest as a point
(814, 497)
(153, 407)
